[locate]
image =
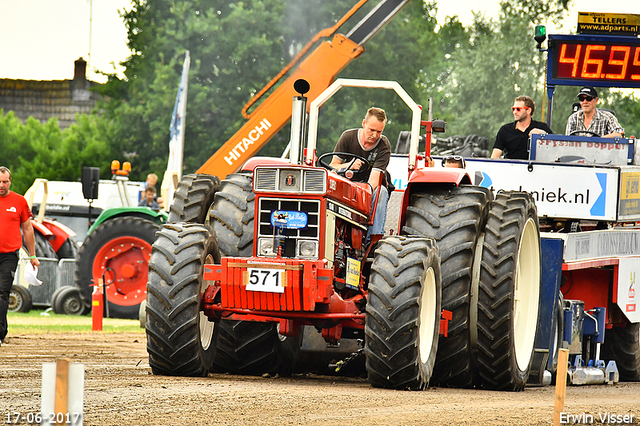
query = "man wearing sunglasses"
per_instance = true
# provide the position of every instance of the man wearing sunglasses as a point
(512, 139)
(592, 120)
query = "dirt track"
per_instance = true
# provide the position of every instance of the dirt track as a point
(120, 390)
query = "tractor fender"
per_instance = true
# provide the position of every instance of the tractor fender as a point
(432, 176)
(59, 231)
(143, 212)
(40, 228)
(440, 175)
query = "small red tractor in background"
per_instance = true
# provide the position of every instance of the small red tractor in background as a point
(53, 243)
(250, 261)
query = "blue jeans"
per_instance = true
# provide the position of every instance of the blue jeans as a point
(380, 214)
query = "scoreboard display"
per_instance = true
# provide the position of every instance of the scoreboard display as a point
(594, 60)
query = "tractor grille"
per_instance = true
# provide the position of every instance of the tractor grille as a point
(292, 180)
(293, 237)
(266, 179)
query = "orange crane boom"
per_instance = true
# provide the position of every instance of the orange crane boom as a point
(319, 68)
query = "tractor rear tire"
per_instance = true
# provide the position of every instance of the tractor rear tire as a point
(68, 250)
(20, 299)
(558, 333)
(622, 344)
(181, 341)
(124, 245)
(233, 211)
(454, 218)
(247, 348)
(403, 313)
(509, 292)
(43, 247)
(193, 198)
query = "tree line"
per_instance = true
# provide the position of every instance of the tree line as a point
(472, 73)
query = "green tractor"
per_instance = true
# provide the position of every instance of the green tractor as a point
(117, 247)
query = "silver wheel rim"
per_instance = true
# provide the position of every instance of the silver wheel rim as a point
(206, 326)
(427, 316)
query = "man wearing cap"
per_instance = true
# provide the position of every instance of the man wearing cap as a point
(591, 119)
(513, 138)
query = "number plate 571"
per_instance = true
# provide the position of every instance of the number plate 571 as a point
(269, 280)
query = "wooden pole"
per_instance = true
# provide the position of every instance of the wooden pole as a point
(561, 384)
(62, 389)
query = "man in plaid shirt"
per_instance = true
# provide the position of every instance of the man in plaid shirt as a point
(591, 119)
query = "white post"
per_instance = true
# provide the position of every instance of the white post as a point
(62, 401)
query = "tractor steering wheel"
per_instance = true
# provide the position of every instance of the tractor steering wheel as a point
(585, 131)
(343, 171)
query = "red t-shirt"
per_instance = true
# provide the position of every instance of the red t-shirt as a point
(14, 211)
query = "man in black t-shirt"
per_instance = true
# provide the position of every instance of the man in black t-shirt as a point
(369, 143)
(512, 139)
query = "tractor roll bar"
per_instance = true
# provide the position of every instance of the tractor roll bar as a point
(374, 84)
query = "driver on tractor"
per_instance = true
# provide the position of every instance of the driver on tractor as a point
(591, 121)
(371, 145)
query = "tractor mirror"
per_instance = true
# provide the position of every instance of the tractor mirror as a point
(438, 126)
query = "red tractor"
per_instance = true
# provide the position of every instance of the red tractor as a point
(251, 261)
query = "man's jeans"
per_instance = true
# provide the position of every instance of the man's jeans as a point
(381, 213)
(8, 266)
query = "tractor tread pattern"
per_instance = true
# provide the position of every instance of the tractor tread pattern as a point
(173, 301)
(497, 368)
(622, 344)
(192, 198)
(454, 218)
(232, 215)
(392, 325)
(247, 348)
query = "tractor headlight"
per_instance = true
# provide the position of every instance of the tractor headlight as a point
(265, 247)
(308, 249)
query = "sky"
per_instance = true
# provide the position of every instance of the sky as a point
(40, 39)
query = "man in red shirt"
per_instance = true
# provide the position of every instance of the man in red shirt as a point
(14, 214)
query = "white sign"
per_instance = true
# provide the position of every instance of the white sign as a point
(560, 190)
(615, 242)
(628, 294)
(269, 280)
(568, 149)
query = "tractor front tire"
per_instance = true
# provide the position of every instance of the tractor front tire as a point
(454, 217)
(181, 341)
(119, 249)
(622, 344)
(509, 292)
(403, 313)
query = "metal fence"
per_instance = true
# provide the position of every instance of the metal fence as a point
(53, 273)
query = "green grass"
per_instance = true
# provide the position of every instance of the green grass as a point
(37, 321)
